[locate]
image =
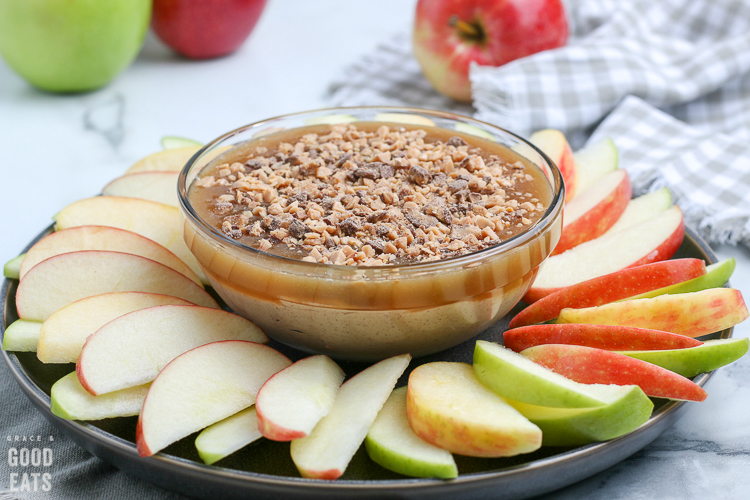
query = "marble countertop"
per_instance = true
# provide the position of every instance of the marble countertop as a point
(60, 148)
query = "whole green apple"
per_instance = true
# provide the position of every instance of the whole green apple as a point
(71, 45)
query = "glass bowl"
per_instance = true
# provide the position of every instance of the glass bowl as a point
(362, 313)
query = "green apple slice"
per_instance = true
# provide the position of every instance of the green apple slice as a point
(175, 142)
(716, 275)
(404, 118)
(512, 376)
(330, 120)
(627, 407)
(691, 361)
(12, 268)
(392, 444)
(69, 400)
(474, 130)
(22, 336)
(223, 438)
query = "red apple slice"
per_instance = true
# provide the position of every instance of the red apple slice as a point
(160, 187)
(594, 162)
(589, 365)
(653, 241)
(326, 452)
(102, 238)
(132, 349)
(607, 337)
(201, 387)
(448, 407)
(156, 221)
(643, 209)
(691, 314)
(594, 210)
(294, 400)
(60, 280)
(62, 336)
(554, 144)
(610, 288)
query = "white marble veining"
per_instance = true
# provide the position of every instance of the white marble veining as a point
(55, 149)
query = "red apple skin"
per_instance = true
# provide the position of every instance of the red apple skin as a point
(609, 338)
(276, 432)
(512, 29)
(610, 288)
(664, 251)
(598, 220)
(202, 29)
(589, 365)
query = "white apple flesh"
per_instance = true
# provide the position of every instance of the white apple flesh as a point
(227, 436)
(62, 336)
(294, 400)
(69, 400)
(392, 444)
(201, 387)
(58, 281)
(642, 209)
(102, 238)
(593, 162)
(160, 187)
(326, 452)
(132, 349)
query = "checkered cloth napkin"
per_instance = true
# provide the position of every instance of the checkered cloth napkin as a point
(667, 80)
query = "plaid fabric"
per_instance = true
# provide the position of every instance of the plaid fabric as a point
(668, 80)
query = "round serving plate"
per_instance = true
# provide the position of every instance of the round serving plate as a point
(264, 470)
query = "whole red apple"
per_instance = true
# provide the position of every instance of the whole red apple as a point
(201, 29)
(450, 34)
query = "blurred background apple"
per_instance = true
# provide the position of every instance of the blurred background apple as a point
(450, 34)
(71, 45)
(201, 29)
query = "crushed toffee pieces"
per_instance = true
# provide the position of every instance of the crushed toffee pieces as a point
(370, 194)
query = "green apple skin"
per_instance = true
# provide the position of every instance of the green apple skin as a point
(22, 336)
(579, 426)
(716, 275)
(392, 444)
(71, 45)
(226, 436)
(691, 361)
(12, 268)
(69, 400)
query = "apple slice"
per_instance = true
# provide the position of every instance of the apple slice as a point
(62, 336)
(156, 221)
(594, 210)
(326, 452)
(175, 142)
(643, 209)
(404, 118)
(223, 438)
(160, 187)
(691, 314)
(623, 284)
(56, 282)
(330, 120)
(554, 144)
(102, 238)
(448, 407)
(589, 365)
(132, 349)
(627, 408)
(474, 130)
(21, 336)
(610, 338)
(69, 400)
(716, 276)
(712, 354)
(594, 162)
(168, 160)
(652, 241)
(294, 400)
(12, 268)
(514, 377)
(201, 387)
(392, 444)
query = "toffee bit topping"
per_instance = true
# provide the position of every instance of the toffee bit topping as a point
(360, 197)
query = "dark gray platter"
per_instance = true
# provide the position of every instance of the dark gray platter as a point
(264, 470)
